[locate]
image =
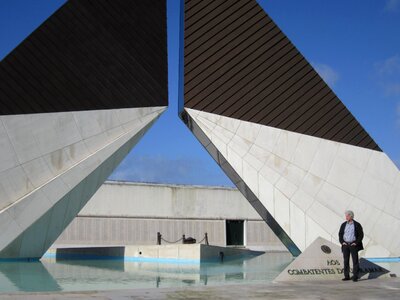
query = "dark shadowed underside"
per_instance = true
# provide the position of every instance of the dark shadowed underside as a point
(239, 64)
(92, 54)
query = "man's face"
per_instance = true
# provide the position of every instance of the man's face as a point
(348, 217)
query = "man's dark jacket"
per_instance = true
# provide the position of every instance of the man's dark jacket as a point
(358, 232)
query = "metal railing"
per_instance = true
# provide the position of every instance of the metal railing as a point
(183, 239)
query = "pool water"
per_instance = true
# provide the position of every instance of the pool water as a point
(50, 274)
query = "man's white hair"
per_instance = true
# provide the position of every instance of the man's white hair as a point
(350, 213)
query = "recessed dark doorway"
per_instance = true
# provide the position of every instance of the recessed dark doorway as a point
(234, 232)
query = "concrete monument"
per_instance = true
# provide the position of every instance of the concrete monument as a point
(81, 90)
(280, 133)
(75, 97)
(323, 260)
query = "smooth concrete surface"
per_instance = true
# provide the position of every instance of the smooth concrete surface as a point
(306, 183)
(61, 159)
(365, 289)
(193, 252)
(178, 252)
(212, 253)
(131, 213)
(152, 200)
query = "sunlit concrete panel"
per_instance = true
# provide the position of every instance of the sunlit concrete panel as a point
(72, 153)
(304, 182)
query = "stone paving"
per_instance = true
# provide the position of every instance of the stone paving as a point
(364, 289)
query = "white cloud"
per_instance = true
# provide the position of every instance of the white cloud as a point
(327, 73)
(389, 66)
(388, 72)
(392, 5)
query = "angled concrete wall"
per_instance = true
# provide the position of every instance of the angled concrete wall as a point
(306, 183)
(42, 194)
(279, 132)
(75, 96)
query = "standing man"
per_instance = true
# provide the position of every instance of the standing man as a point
(350, 236)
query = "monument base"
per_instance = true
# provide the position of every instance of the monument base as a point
(323, 260)
(193, 253)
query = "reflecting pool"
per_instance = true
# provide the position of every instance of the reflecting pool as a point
(51, 274)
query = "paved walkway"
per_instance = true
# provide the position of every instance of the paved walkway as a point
(366, 289)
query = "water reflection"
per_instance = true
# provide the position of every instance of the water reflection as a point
(76, 275)
(26, 276)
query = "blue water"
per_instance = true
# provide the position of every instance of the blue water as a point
(50, 274)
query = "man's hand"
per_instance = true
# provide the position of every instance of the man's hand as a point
(344, 243)
(353, 244)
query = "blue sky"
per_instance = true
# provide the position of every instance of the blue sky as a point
(355, 45)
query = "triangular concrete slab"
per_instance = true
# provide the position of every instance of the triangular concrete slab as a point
(323, 260)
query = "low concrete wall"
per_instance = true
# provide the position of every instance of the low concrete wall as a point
(146, 200)
(212, 253)
(165, 252)
(162, 253)
(133, 231)
(132, 214)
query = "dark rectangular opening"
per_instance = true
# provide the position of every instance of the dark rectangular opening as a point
(234, 232)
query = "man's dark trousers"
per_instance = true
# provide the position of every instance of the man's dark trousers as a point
(347, 250)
